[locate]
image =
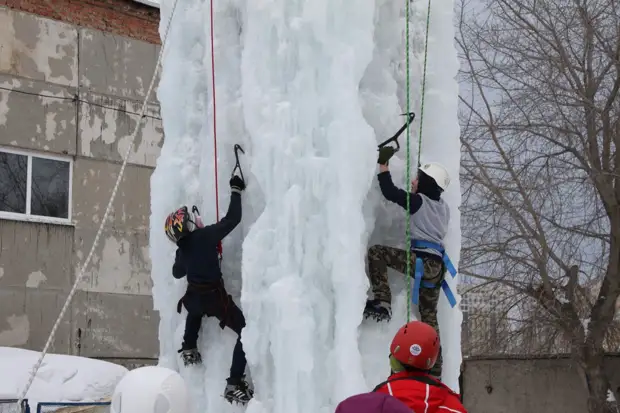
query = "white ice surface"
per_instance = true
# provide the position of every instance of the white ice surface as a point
(61, 378)
(308, 88)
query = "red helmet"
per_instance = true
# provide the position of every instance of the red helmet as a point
(416, 344)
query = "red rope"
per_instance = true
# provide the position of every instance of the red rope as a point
(217, 200)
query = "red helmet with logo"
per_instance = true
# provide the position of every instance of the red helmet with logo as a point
(416, 344)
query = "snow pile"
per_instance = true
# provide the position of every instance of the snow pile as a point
(61, 378)
(308, 88)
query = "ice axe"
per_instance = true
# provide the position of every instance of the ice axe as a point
(394, 138)
(237, 164)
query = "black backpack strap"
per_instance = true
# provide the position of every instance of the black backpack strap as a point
(422, 379)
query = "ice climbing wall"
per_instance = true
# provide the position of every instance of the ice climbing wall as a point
(308, 88)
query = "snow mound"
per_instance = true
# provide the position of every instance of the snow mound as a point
(61, 378)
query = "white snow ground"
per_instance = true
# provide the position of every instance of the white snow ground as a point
(61, 378)
(308, 88)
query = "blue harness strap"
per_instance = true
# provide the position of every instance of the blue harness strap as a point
(419, 272)
(418, 282)
(446, 289)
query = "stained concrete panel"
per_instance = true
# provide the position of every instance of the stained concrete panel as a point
(523, 386)
(27, 317)
(120, 263)
(93, 183)
(36, 115)
(107, 126)
(38, 48)
(39, 111)
(116, 325)
(115, 65)
(36, 256)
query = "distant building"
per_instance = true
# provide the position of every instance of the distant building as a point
(72, 80)
(485, 326)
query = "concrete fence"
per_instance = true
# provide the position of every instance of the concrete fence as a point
(524, 385)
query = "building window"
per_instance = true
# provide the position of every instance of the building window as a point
(35, 187)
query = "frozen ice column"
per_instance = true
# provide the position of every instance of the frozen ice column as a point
(313, 157)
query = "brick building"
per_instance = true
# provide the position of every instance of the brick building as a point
(127, 18)
(73, 77)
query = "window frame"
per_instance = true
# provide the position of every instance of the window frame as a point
(28, 216)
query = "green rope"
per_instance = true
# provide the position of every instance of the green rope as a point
(408, 177)
(428, 23)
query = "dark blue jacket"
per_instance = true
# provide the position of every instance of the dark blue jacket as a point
(197, 255)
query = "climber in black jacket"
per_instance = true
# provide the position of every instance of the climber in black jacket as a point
(197, 257)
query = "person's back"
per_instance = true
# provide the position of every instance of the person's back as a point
(197, 258)
(421, 393)
(430, 222)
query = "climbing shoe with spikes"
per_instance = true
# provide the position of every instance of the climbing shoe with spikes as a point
(238, 392)
(191, 356)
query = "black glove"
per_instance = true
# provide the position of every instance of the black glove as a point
(237, 184)
(385, 154)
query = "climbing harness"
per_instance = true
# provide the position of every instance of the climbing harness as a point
(106, 214)
(419, 272)
(394, 138)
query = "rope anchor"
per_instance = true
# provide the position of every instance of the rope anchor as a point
(237, 164)
(394, 138)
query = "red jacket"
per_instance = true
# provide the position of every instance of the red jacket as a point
(422, 393)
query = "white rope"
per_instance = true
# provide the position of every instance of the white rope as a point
(36, 367)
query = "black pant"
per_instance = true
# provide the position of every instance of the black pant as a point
(212, 300)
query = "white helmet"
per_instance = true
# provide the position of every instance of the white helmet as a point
(438, 173)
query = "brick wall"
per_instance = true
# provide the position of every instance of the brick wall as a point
(122, 17)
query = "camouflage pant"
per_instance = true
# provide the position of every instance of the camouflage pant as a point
(381, 257)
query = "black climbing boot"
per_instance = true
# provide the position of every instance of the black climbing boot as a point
(191, 356)
(238, 391)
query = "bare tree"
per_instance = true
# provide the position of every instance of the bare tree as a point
(13, 177)
(541, 123)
